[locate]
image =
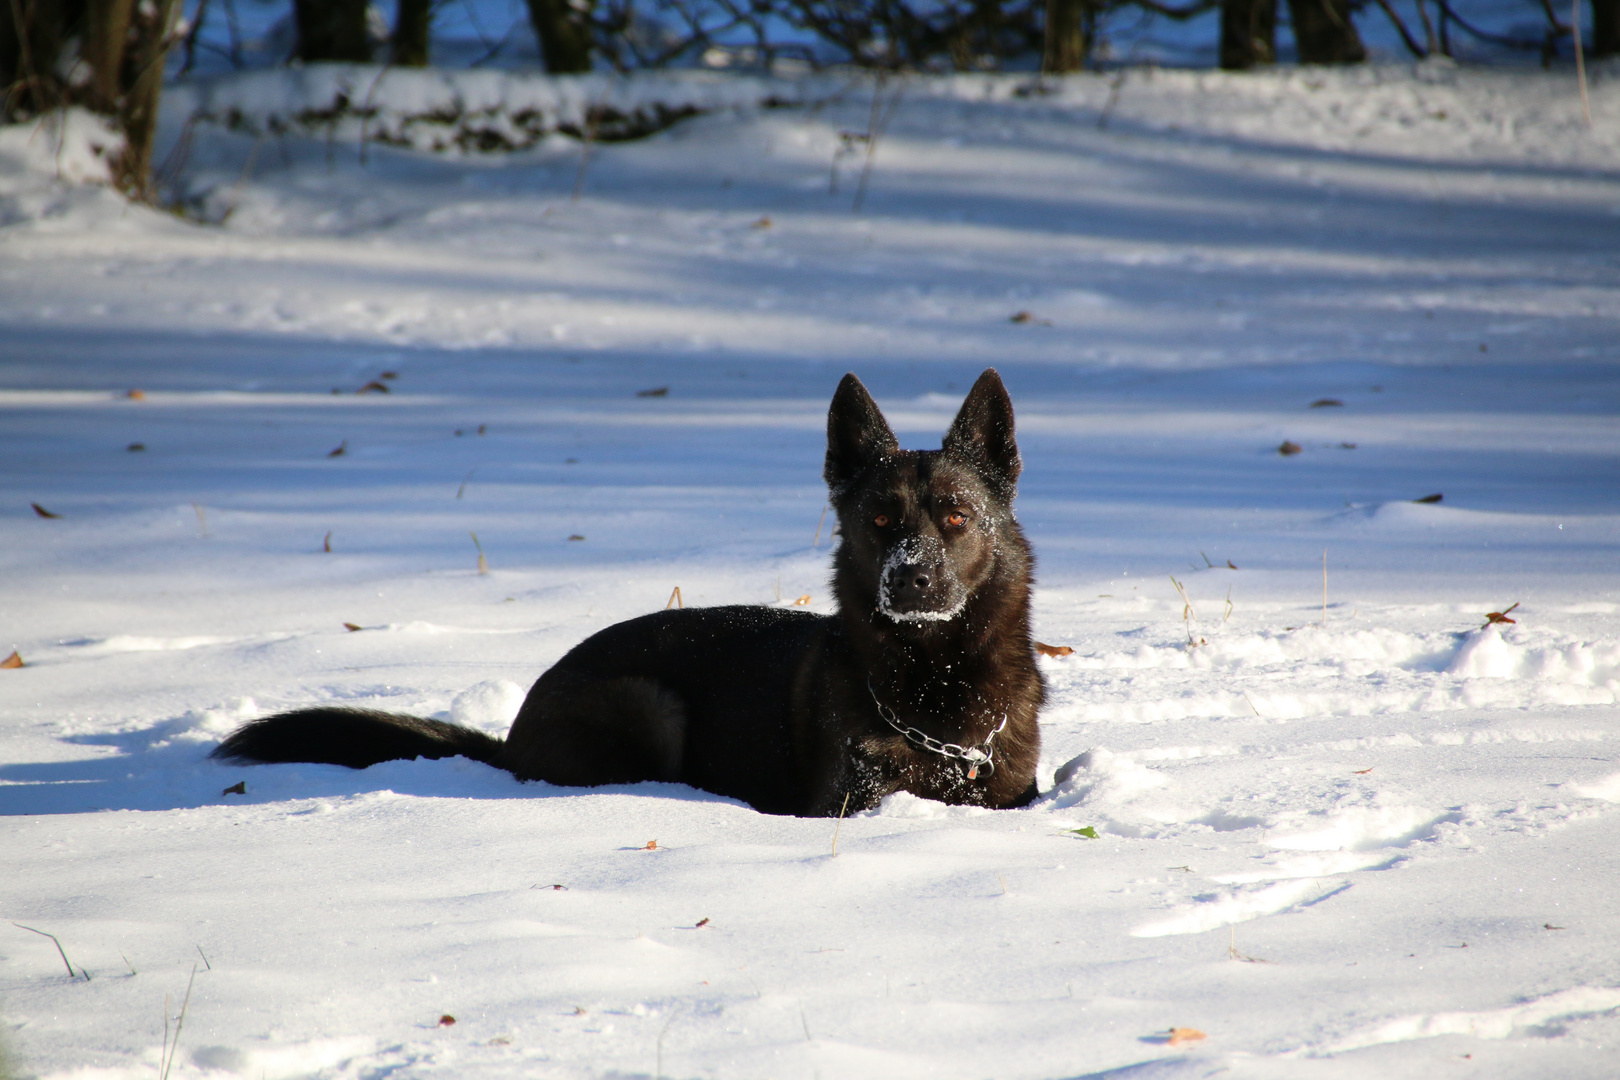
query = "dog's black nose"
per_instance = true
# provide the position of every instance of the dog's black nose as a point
(909, 581)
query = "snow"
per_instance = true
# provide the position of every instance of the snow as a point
(1343, 824)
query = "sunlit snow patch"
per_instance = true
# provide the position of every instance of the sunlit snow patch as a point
(1539, 1016)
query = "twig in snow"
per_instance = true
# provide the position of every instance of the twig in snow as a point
(840, 824)
(587, 138)
(674, 600)
(822, 520)
(875, 126)
(60, 951)
(1580, 59)
(204, 955)
(658, 1074)
(1117, 84)
(167, 1058)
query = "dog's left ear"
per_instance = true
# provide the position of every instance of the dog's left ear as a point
(981, 436)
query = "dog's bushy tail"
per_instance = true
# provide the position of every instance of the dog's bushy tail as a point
(353, 737)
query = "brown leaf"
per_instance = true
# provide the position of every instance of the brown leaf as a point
(15, 660)
(342, 448)
(802, 601)
(1053, 650)
(1436, 497)
(136, 395)
(373, 387)
(576, 536)
(446, 1020)
(1181, 1035)
(1022, 317)
(1289, 448)
(238, 788)
(1326, 403)
(326, 545)
(352, 627)
(701, 923)
(657, 391)
(42, 512)
(1230, 565)
(763, 223)
(651, 845)
(1500, 616)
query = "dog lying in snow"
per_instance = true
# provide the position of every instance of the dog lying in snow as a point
(924, 681)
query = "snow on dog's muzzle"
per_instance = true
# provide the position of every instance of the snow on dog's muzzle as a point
(915, 586)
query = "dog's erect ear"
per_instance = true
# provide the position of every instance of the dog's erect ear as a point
(857, 435)
(982, 435)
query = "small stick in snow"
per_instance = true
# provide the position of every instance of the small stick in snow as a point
(168, 1059)
(60, 951)
(840, 824)
(588, 137)
(674, 600)
(200, 953)
(483, 563)
(40, 511)
(1246, 697)
(1580, 59)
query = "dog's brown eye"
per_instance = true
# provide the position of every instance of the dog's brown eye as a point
(881, 521)
(956, 519)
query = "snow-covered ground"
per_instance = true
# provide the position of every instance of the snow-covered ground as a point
(1345, 836)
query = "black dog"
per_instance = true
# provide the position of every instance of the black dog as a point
(925, 681)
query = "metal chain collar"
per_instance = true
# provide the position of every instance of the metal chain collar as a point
(973, 758)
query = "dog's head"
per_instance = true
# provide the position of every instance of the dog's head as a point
(922, 529)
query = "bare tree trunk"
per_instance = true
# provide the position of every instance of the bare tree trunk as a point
(1605, 28)
(1065, 39)
(332, 30)
(413, 27)
(564, 30)
(148, 51)
(106, 36)
(1324, 34)
(1248, 33)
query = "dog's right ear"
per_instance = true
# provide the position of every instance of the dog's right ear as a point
(857, 435)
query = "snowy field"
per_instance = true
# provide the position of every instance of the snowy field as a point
(1342, 827)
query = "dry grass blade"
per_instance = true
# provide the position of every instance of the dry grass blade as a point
(1498, 617)
(168, 1058)
(60, 951)
(483, 563)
